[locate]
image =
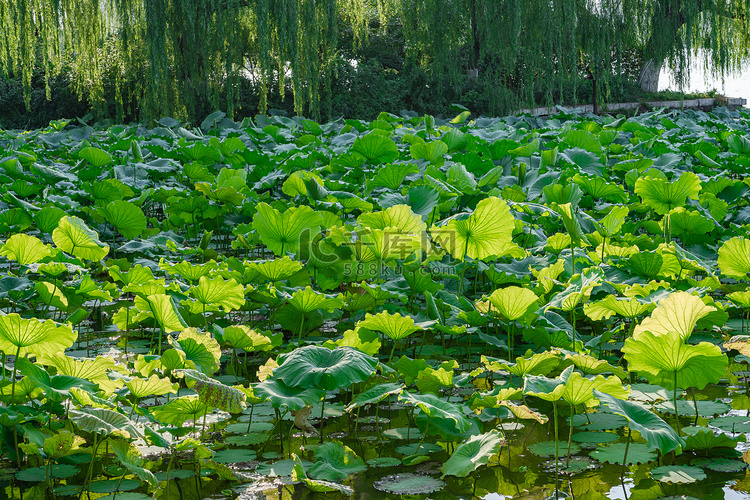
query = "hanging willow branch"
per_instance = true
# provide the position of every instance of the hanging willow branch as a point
(175, 53)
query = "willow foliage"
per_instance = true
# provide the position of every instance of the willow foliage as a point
(171, 53)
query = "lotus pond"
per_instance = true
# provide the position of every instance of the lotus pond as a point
(496, 308)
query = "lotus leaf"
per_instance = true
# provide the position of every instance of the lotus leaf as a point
(72, 235)
(283, 233)
(487, 232)
(394, 326)
(678, 312)
(227, 294)
(130, 457)
(25, 249)
(513, 302)
(666, 360)
(103, 421)
(213, 393)
(472, 454)
(678, 474)
(654, 430)
(614, 453)
(23, 337)
(294, 398)
(180, 410)
(335, 462)
(734, 257)
(662, 195)
(409, 484)
(315, 366)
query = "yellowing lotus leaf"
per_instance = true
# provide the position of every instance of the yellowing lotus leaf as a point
(678, 312)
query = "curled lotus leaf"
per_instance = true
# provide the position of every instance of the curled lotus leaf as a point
(72, 235)
(409, 484)
(213, 393)
(316, 366)
(22, 337)
(678, 312)
(104, 421)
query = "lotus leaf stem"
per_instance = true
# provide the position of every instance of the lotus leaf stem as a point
(625, 457)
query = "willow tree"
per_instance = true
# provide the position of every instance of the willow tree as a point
(673, 31)
(175, 51)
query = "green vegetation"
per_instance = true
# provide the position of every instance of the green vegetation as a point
(363, 307)
(138, 60)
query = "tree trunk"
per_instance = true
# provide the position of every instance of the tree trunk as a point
(648, 78)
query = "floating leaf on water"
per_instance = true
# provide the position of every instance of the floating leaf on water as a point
(126, 496)
(546, 449)
(649, 393)
(731, 423)
(574, 466)
(335, 462)
(719, 464)
(704, 438)
(706, 409)
(234, 456)
(383, 462)
(403, 433)
(595, 437)
(425, 448)
(38, 474)
(599, 421)
(248, 439)
(112, 485)
(280, 468)
(678, 474)
(638, 453)
(409, 484)
(474, 453)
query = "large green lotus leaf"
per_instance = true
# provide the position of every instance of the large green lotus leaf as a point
(599, 188)
(126, 217)
(409, 484)
(152, 386)
(610, 305)
(678, 312)
(653, 429)
(678, 474)
(592, 366)
(376, 148)
(277, 269)
(562, 194)
(513, 302)
(386, 244)
(472, 454)
(704, 438)
(742, 299)
(55, 387)
(103, 421)
(316, 366)
(546, 449)
(227, 294)
(308, 300)
(180, 410)
(579, 390)
(667, 360)
(734, 257)
(130, 457)
(638, 453)
(653, 264)
(375, 395)
(191, 271)
(98, 158)
(690, 226)
(25, 249)
(438, 408)
(397, 216)
(96, 370)
(549, 389)
(335, 462)
(247, 339)
(23, 337)
(213, 393)
(164, 309)
(47, 218)
(662, 195)
(360, 338)
(392, 176)
(394, 326)
(137, 274)
(432, 151)
(282, 233)
(611, 224)
(201, 350)
(62, 444)
(72, 235)
(540, 363)
(279, 394)
(487, 232)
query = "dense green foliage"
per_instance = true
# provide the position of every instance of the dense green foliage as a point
(339, 299)
(144, 59)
